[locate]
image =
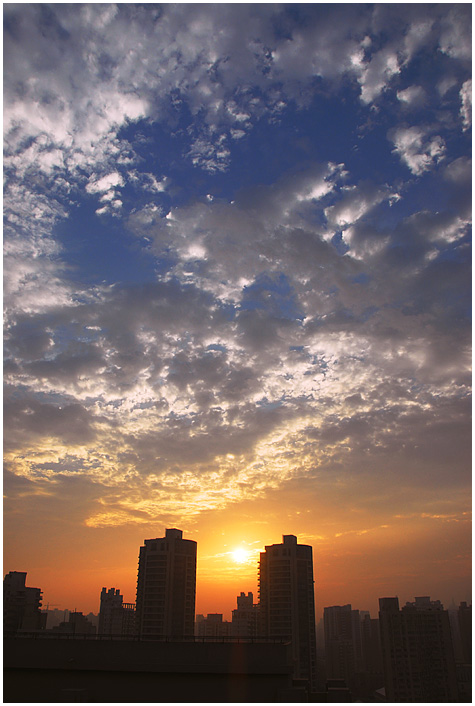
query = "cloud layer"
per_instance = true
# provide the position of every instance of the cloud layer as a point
(313, 326)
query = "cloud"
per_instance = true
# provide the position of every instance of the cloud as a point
(459, 171)
(356, 201)
(301, 328)
(455, 39)
(413, 96)
(377, 74)
(466, 107)
(416, 148)
(104, 184)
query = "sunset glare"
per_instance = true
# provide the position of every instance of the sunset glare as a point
(237, 289)
(240, 556)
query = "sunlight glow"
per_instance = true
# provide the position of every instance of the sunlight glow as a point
(240, 555)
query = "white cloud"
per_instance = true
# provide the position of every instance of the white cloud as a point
(377, 74)
(210, 153)
(104, 184)
(416, 149)
(355, 202)
(466, 107)
(413, 96)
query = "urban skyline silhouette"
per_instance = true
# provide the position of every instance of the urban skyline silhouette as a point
(419, 653)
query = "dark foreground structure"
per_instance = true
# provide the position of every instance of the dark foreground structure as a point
(98, 670)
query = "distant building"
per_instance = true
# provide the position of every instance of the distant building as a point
(464, 616)
(287, 602)
(342, 643)
(21, 604)
(212, 626)
(166, 586)
(115, 616)
(371, 677)
(77, 624)
(245, 616)
(418, 659)
(353, 650)
(55, 617)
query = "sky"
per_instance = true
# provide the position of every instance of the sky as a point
(237, 294)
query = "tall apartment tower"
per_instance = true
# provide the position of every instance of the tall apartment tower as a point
(418, 659)
(166, 586)
(287, 603)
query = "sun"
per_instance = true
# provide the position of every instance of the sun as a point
(240, 555)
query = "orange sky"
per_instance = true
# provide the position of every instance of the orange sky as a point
(358, 557)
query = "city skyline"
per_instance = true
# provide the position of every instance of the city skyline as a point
(237, 295)
(228, 609)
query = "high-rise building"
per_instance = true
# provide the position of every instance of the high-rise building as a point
(418, 659)
(115, 616)
(343, 658)
(166, 586)
(464, 616)
(287, 602)
(244, 618)
(21, 604)
(353, 650)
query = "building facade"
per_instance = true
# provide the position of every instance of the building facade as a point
(212, 626)
(21, 604)
(287, 603)
(245, 617)
(166, 586)
(418, 658)
(115, 616)
(343, 658)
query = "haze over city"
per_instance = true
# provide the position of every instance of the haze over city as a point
(237, 295)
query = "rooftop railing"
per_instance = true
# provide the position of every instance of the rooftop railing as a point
(47, 635)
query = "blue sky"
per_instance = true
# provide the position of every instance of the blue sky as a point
(237, 267)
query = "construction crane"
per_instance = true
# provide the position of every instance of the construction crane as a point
(48, 605)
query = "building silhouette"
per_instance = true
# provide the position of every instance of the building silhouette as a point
(166, 586)
(212, 626)
(115, 616)
(245, 617)
(21, 604)
(371, 677)
(76, 624)
(353, 650)
(287, 603)
(343, 654)
(464, 620)
(418, 658)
